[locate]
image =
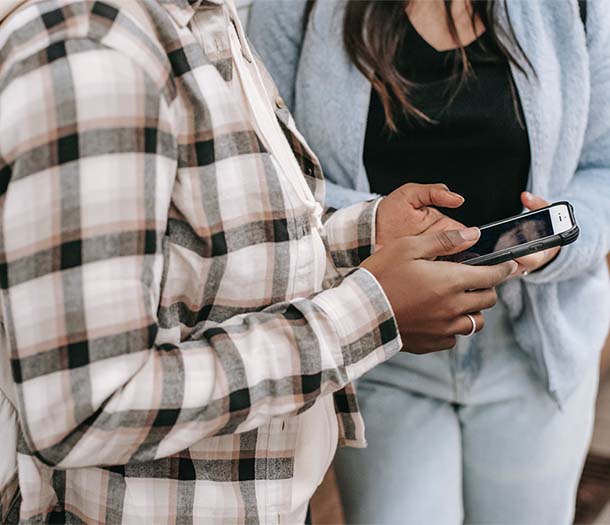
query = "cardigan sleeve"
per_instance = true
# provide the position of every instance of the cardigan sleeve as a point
(276, 28)
(589, 191)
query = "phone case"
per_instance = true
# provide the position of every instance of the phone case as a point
(560, 239)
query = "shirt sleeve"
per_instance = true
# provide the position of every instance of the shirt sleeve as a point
(87, 173)
(589, 190)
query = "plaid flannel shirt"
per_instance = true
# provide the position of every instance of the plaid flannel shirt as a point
(164, 322)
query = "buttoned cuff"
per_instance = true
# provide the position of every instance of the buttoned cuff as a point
(364, 320)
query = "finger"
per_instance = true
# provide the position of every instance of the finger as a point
(463, 325)
(533, 202)
(483, 277)
(477, 300)
(442, 243)
(529, 262)
(434, 195)
(521, 269)
(532, 262)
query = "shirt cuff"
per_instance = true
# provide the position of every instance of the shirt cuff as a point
(361, 312)
(350, 233)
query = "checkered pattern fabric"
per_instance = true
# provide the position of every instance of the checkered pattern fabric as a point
(166, 318)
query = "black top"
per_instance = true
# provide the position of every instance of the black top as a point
(477, 145)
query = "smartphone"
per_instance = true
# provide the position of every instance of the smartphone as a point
(521, 235)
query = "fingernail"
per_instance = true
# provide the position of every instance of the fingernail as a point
(514, 267)
(527, 194)
(470, 234)
(455, 194)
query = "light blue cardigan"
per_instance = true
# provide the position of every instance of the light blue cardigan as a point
(560, 314)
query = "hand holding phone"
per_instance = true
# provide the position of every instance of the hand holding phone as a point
(434, 302)
(522, 235)
(535, 261)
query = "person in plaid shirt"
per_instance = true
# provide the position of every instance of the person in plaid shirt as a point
(184, 322)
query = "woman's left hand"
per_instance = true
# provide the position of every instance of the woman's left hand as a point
(412, 210)
(531, 263)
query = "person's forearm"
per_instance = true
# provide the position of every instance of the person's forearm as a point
(152, 402)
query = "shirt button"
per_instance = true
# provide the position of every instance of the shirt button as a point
(279, 102)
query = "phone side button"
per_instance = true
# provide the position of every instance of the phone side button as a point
(536, 247)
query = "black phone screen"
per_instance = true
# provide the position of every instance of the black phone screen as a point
(508, 235)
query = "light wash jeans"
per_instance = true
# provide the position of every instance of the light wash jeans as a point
(467, 435)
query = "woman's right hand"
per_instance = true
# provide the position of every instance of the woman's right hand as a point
(430, 299)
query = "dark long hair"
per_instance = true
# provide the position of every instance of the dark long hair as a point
(373, 31)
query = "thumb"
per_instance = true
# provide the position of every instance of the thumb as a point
(434, 195)
(533, 202)
(445, 242)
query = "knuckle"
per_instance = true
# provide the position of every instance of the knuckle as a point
(451, 308)
(445, 241)
(460, 282)
(448, 331)
(505, 271)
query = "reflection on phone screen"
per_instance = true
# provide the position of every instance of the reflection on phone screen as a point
(508, 235)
